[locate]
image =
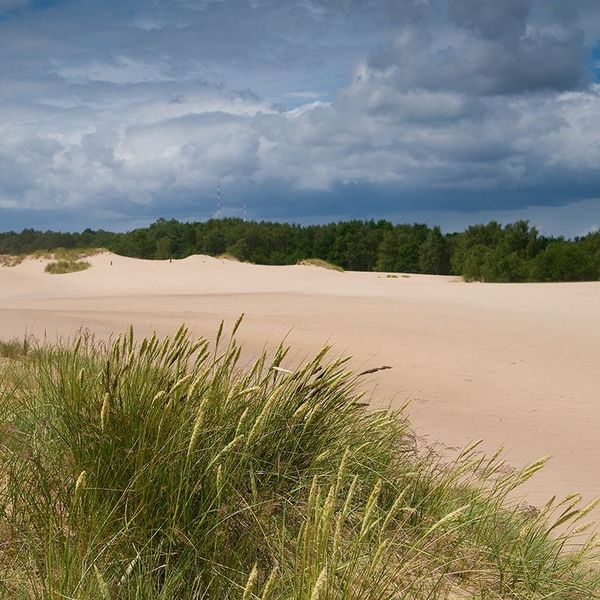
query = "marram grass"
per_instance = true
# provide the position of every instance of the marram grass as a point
(60, 267)
(161, 469)
(318, 262)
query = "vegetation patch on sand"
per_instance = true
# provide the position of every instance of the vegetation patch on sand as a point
(227, 256)
(8, 260)
(317, 262)
(162, 469)
(60, 267)
(58, 254)
(14, 348)
(68, 254)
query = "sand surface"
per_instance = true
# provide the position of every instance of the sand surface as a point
(517, 365)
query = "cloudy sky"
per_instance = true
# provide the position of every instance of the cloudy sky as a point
(116, 112)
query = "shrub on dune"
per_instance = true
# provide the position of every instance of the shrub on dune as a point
(14, 348)
(7, 260)
(317, 262)
(163, 469)
(61, 267)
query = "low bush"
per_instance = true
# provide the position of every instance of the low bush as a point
(7, 260)
(14, 348)
(317, 262)
(164, 470)
(60, 267)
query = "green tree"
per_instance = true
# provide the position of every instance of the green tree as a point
(388, 253)
(473, 262)
(214, 243)
(486, 236)
(434, 257)
(564, 261)
(502, 265)
(163, 248)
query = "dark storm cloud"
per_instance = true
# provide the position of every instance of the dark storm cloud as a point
(314, 109)
(491, 19)
(493, 49)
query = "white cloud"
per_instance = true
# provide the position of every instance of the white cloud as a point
(435, 116)
(122, 70)
(151, 23)
(303, 95)
(149, 150)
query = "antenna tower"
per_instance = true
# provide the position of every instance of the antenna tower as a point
(219, 199)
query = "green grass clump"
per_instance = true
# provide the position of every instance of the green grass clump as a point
(60, 255)
(163, 469)
(228, 256)
(8, 260)
(317, 262)
(14, 348)
(76, 253)
(69, 254)
(60, 267)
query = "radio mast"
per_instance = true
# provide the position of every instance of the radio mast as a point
(218, 216)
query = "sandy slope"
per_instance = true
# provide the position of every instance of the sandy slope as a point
(517, 365)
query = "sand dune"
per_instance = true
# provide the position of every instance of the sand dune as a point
(515, 364)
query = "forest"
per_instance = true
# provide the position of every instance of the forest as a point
(489, 252)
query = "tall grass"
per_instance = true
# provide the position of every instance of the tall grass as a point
(65, 260)
(68, 254)
(60, 267)
(8, 260)
(15, 348)
(317, 262)
(161, 469)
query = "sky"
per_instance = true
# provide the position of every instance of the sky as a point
(116, 112)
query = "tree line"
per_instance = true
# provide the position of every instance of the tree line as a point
(489, 252)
